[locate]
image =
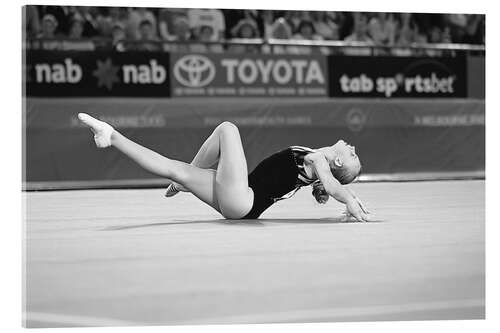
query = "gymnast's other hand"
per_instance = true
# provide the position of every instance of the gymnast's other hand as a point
(355, 208)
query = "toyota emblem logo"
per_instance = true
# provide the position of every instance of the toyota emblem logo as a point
(194, 71)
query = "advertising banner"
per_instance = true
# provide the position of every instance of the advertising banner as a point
(81, 73)
(390, 77)
(248, 75)
(405, 135)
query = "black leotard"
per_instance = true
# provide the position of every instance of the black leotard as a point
(278, 177)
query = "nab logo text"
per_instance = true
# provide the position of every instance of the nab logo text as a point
(67, 72)
(144, 74)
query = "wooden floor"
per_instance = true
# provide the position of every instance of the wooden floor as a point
(133, 257)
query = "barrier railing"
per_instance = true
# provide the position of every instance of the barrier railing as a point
(256, 45)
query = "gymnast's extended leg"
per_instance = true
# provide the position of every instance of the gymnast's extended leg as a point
(201, 182)
(227, 184)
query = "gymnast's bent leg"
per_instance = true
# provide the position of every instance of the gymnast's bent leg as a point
(224, 147)
(231, 180)
(206, 157)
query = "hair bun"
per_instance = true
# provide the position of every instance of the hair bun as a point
(319, 193)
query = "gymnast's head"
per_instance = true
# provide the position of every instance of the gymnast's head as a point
(344, 162)
(345, 167)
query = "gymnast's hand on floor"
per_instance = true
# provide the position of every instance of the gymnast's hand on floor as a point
(356, 209)
(363, 207)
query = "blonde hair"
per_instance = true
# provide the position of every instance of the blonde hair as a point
(341, 174)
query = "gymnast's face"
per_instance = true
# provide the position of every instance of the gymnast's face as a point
(346, 158)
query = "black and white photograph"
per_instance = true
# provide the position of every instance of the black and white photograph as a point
(201, 166)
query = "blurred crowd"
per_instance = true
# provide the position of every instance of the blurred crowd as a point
(176, 29)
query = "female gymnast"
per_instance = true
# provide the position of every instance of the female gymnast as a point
(230, 189)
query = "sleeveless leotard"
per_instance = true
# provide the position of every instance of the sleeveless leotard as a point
(278, 177)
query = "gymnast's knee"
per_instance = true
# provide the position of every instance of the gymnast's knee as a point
(227, 127)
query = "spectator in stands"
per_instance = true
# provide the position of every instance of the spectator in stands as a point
(103, 20)
(338, 18)
(166, 22)
(407, 34)
(382, 32)
(76, 28)
(32, 24)
(147, 36)
(324, 25)
(135, 18)
(245, 29)
(458, 25)
(382, 29)
(233, 16)
(49, 26)
(385, 29)
(345, 21)
(231, 19)
(295, 17)
(306, 31)
(267, 23)
(90, 25)
(474, 30)
(181, 29)
(360, 29)
(74, 40)
(420, 38)
(435, 35)
(446, 37)
(62, 15)
(359, 34)
(146, 31)
(207, 19)
(118, 35)
(110, 16)
(204, 34)
(279, 30)
(180, 33)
